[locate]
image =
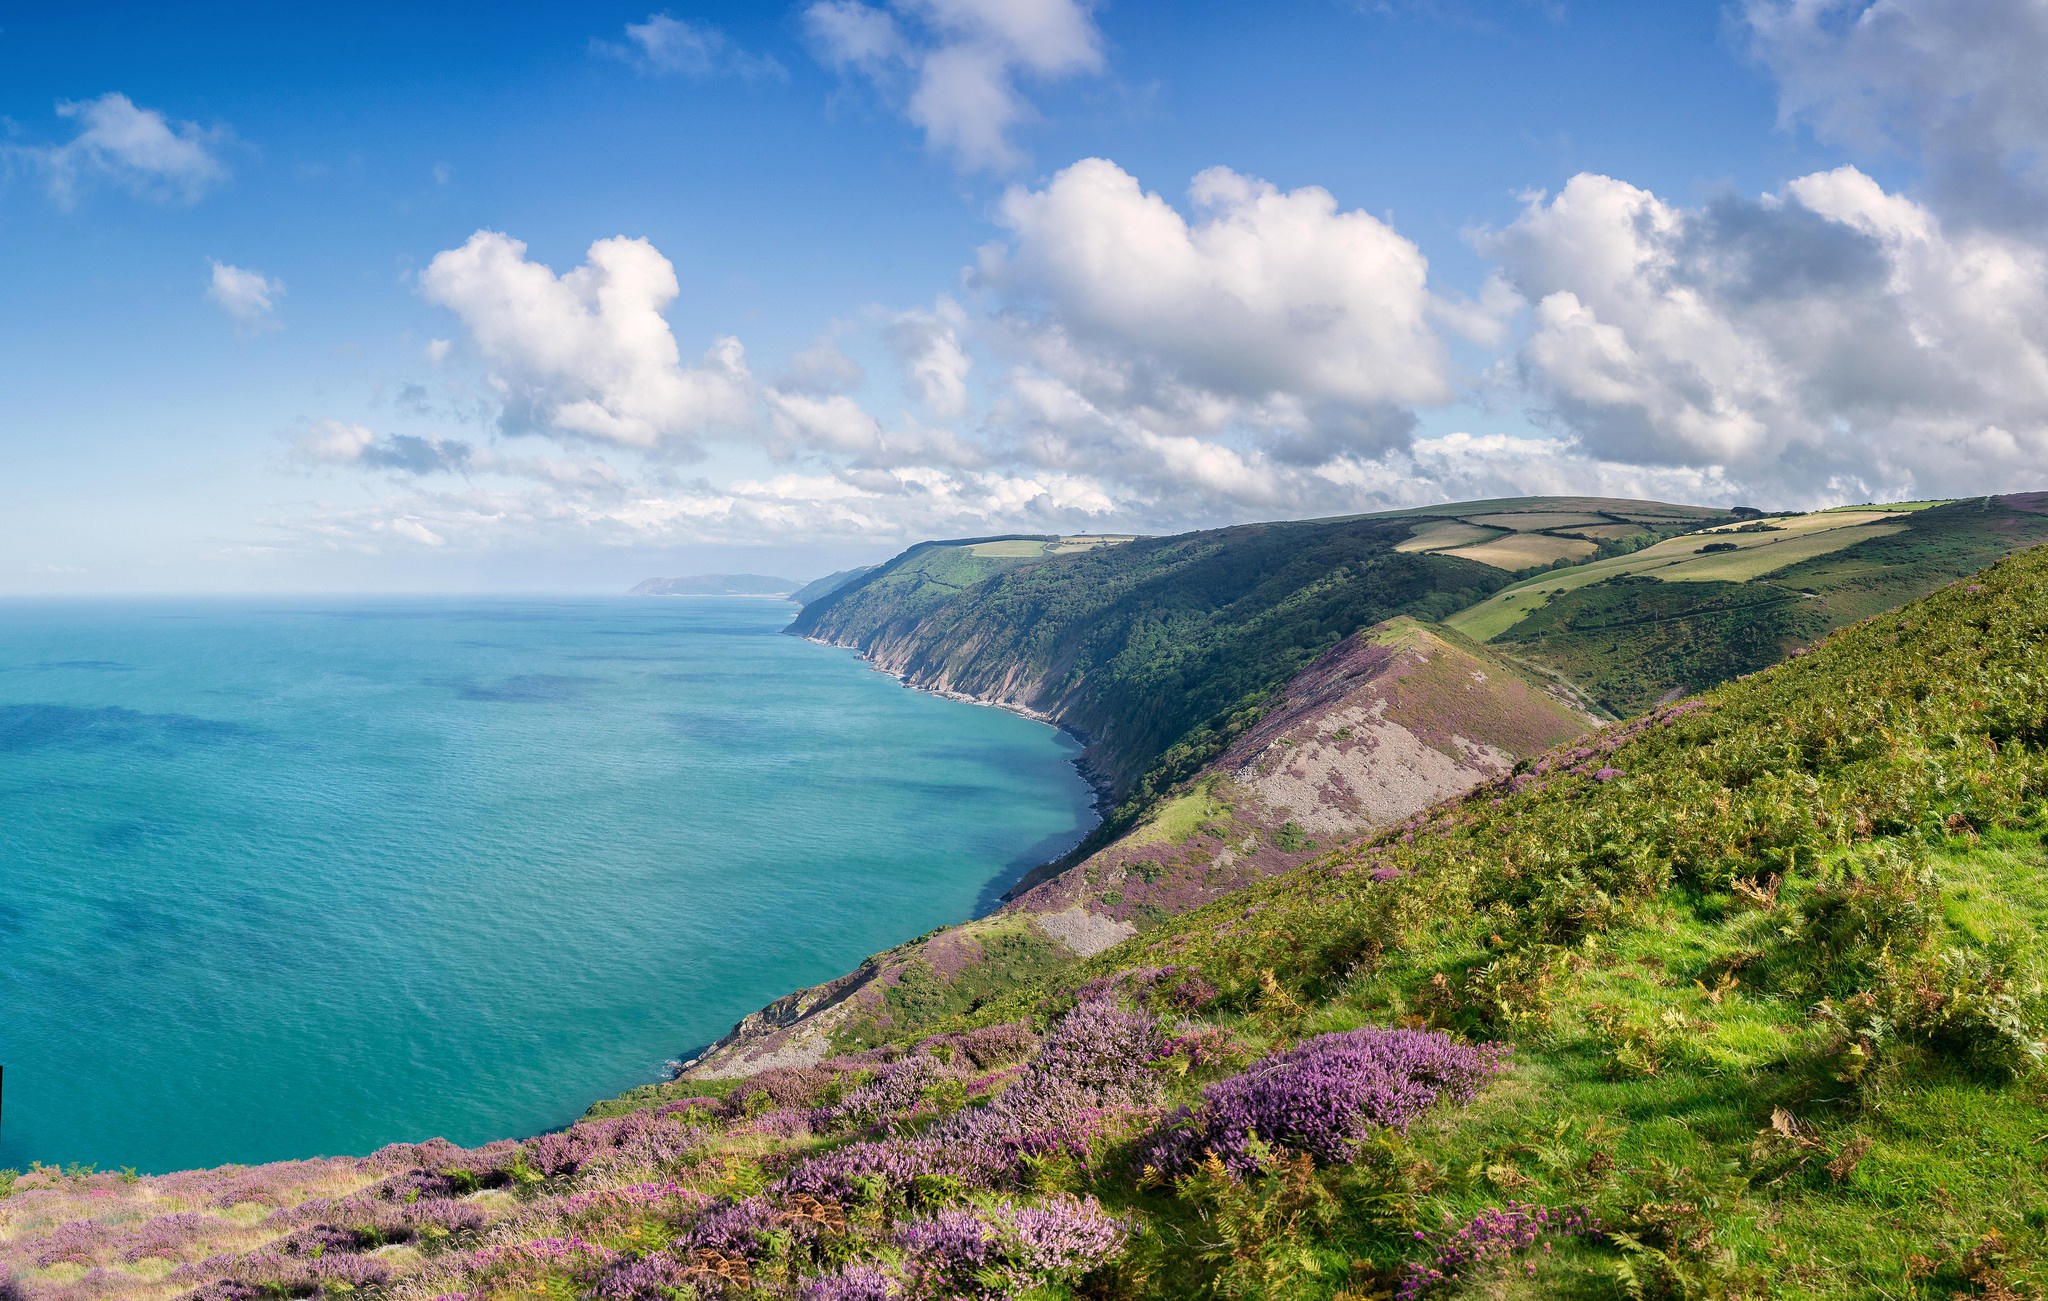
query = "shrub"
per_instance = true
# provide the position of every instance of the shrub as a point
(1004, 1250)
(1494, 1237)
(1325, 1097)
(1875, 902)
(1957, 1004)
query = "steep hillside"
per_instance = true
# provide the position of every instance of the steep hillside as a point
(819, 588)
(1694, 611)
(1388, 722)
(1746, 997)
(1162, 651)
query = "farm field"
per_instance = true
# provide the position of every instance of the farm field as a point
(1791, 539)
(1520, 551)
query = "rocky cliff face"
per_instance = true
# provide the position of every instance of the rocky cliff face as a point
(1390, 721)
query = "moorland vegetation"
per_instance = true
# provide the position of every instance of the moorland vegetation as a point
(1743, 997)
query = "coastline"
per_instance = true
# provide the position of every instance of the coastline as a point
(794, 1006)
(1102, 788)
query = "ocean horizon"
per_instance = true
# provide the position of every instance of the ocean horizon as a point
(291, 877)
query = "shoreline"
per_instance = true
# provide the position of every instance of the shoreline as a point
(1099, 786)
(1099, 806)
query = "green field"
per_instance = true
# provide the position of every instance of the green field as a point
(1678, 560)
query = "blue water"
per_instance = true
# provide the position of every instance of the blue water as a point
(289, 879)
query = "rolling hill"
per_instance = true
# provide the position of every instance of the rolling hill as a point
(1693, 611)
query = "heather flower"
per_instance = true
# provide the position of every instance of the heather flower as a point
(166, 1237)
(782, 1088)
(527, 1263)
(1063, 1238)
(896, 1090)
(736, 1229)
(1492, 1236)
(1606, 774)
(1007, 1250)
(638, 1140)
(75, 1242)
(1325, 1096)
(789, 1122)
(858, 1283)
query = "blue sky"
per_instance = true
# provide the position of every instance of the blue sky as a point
(295, 299)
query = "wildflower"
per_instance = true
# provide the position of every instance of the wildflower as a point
(1323, 1097)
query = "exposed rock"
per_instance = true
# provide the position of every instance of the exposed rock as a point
(1084, 932)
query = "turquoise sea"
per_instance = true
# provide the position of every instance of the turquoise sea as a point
(283, 879)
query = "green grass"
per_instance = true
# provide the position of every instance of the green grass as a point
(1746, 563)
(1674, 559)
(1678, 1063)
(1177, 820)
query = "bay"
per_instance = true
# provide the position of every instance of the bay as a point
(290, 878)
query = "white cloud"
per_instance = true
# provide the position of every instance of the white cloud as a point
(837, 425)
(248, 297)
(890, 507)
(1831, 340)
(955, 64)
(136, 148)
(437, 350)
(1957, 84)
(663, 43)
(821, 368)
(935, 361)
(1272, 310)
(340, 443)
(588, 353)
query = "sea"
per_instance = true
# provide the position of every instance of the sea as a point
(292, 878)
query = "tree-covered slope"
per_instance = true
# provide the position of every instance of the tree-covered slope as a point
(1162, 650)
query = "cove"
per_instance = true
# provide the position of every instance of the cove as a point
(304, 878)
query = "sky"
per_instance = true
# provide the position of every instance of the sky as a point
(518, 296)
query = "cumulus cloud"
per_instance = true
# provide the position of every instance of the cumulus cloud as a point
(1956, 84)
(664, 44)
(1829, 340)
(589, 354)
(1312, 326)
(954, 65)
(336, 442)
(935, 361)
(138, 149)
(820, 369)
(248, 297)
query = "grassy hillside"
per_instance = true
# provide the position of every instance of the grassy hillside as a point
(1742, 998)
(1693, 611)
(1162, 650)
